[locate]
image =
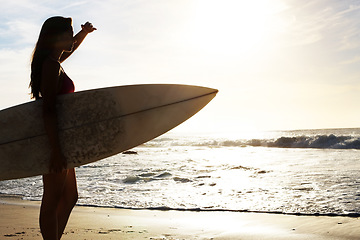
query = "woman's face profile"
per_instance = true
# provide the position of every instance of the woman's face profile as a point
(66, 41)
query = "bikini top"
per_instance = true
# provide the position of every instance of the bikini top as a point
(67, 84)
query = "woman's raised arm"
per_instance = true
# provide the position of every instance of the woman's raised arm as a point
(79, 37)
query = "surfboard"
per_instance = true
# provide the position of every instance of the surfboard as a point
(94, 124)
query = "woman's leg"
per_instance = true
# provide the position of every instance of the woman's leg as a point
(53, 189)
(59, 198)
(67, 202)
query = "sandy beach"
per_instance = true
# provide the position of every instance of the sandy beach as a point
(19, 220)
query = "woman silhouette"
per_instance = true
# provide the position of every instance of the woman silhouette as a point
(48, 79)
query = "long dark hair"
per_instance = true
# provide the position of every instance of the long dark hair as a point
(50, 30)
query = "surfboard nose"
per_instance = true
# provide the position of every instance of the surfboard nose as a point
(188, 91)
(211, 90)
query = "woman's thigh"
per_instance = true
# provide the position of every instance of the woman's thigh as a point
(54, 185)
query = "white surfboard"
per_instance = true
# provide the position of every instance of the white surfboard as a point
(94, 124)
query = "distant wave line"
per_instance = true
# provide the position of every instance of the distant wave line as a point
(319, 141)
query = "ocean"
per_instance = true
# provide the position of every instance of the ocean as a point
(304, 172)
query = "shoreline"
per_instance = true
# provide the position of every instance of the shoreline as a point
(19, 220)
(18, 198)
(346, 215)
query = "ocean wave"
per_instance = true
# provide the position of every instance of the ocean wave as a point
(318, 141)
(147, 177)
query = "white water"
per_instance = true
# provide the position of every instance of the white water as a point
(229, 173)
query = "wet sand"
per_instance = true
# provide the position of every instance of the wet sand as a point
(19, 220)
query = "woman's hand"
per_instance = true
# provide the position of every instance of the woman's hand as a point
(58, 162)
(88, 27)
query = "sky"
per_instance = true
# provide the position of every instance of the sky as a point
(278, 64)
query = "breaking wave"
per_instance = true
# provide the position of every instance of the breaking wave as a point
(318, 141)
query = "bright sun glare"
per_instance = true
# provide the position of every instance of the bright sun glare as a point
(232, 26)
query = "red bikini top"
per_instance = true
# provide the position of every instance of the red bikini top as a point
(67, 84)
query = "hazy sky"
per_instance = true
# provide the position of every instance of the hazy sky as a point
(288, 64)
